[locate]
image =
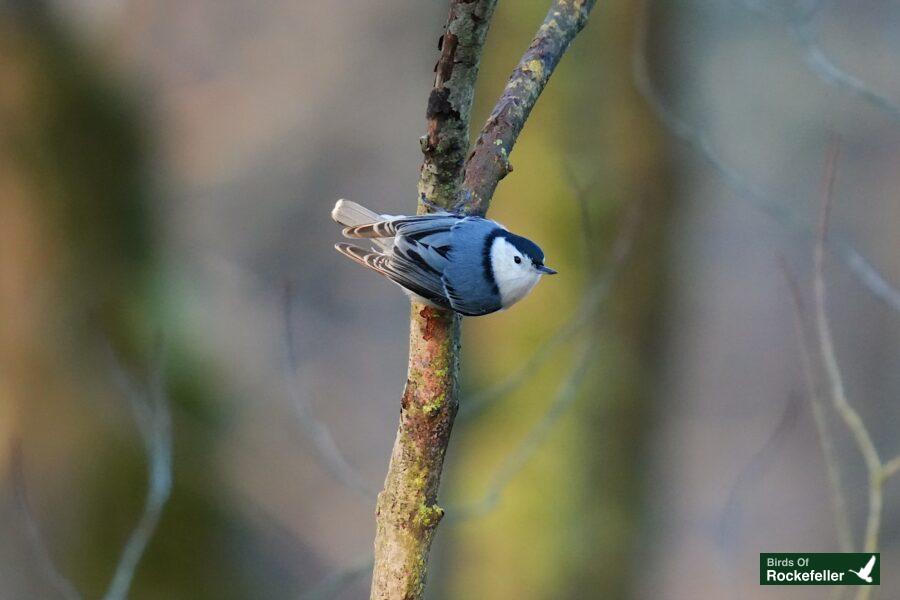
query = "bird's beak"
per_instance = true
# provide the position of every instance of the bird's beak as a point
(546, 270)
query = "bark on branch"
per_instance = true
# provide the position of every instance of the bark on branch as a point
(407, 512)
(489, 161)
(450, 101)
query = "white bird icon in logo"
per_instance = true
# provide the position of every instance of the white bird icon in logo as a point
(866, 572)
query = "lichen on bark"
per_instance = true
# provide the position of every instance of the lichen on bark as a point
(407, 510)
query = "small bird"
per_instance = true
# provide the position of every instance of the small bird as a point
(469, 264)
(866, 572)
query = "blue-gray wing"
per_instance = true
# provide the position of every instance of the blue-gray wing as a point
(418, 256)
(401, 271)
(426, 239)
(441, 257)
(421, 248)
(468, 279)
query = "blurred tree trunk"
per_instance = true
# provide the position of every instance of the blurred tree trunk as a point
(74, 254)
(620, 412)
(567, 524)
(77, 271)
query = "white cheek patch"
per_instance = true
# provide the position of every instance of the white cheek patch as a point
(514, 280)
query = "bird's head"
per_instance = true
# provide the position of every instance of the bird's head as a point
(517, 264)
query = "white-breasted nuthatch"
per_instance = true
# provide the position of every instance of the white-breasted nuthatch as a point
(470, 264)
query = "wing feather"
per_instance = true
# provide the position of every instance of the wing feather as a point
(413, 227)
(420, 256)
(406, 273)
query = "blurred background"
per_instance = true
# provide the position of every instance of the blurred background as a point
(639, 427)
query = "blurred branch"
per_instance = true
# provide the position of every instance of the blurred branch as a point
(814, 392)
(513, 464)
(730, 517)
(696, 138)
(318, 432)
(802, 30)
(701, 143)
(39, 551)
(830, 365)
(877, 471)
(489, 161)
(152, 414)
(407, 512)
(870, 278)
(820, 64)
(832, 369)
(150, 409)
(592, 300)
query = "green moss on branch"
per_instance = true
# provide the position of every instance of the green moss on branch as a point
(407, 509)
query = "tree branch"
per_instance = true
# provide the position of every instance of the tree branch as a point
(407, 513)
(154, 419)
(823, 430)
(835, 379)
(776, 208)
(450, 102)
(489, 161)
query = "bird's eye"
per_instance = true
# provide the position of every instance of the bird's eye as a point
(518, 260)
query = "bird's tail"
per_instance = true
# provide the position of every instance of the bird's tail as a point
(353, 215)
